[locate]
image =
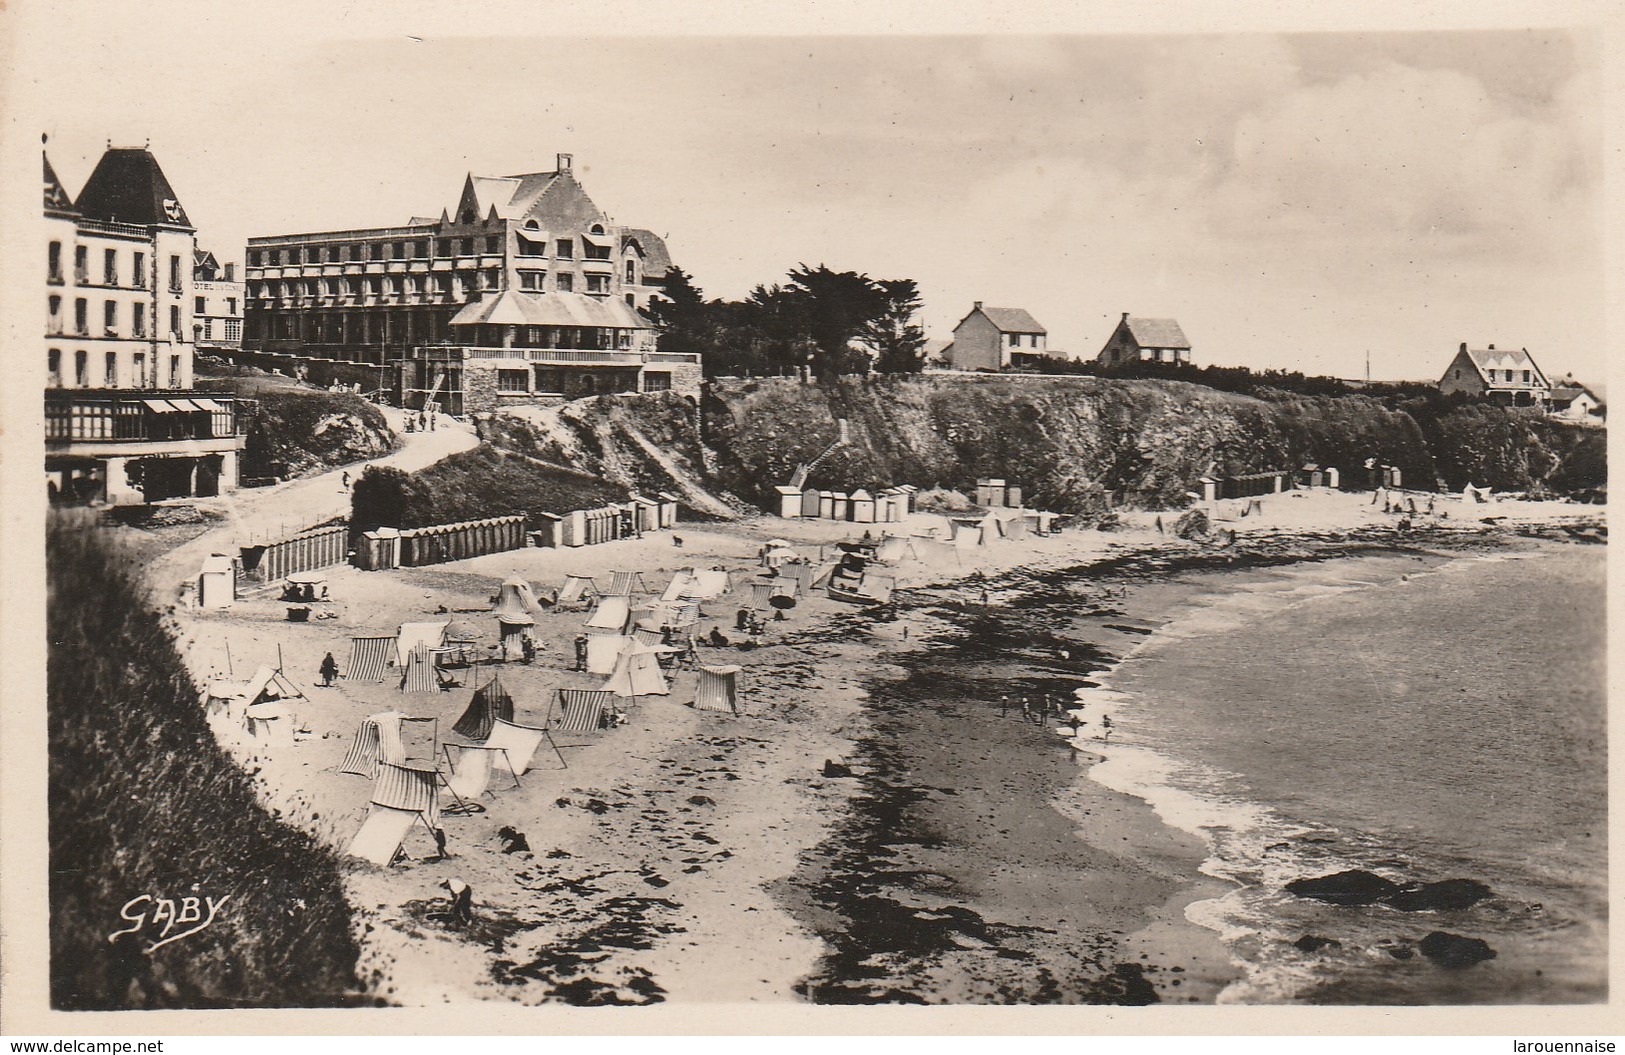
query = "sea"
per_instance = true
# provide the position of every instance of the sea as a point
(1421, 716)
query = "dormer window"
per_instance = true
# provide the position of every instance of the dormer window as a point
(532, 225)
(596, 228)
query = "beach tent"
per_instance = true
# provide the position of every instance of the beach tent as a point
(625, 583)
(779, 554)
(228, 698)
(490, 702)
(370, 658)
(637, 672)
(271, 723)
(516, 603)
(681, 583)
(408, 786)
(992, 529)
(412, 635)
(514, 629)
(515, 744)
(786, 588)
(644, 634)
(381, 737)
(673, 613)
(582, 710)
(382, 834)
(760, 592)
(216, 582)
(471, 769)
(603, 650)
(718, 690)
(938, 550)
(1014, 524)
(612, 614)
(576, 589)
(708, 585)
(419, 675)
(401, 797)
(271, 684)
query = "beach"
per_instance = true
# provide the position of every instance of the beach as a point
(971, 856)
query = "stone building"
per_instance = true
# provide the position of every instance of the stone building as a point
(986, 338)
(1137, 340)
(121, 423)
(217, 305)
(1506, 375)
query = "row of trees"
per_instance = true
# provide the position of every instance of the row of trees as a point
(827, 322)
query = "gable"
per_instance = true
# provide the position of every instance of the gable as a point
(1156, 333)
(563, 206)
(129, 187)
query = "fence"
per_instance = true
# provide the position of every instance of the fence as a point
(306, 551)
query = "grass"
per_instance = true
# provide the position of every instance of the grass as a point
(143, 801)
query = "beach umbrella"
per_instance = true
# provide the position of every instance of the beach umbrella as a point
(781, 601)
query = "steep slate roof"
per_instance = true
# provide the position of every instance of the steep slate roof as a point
(57, 200)
(1568, 393)
(1487, 359)
(129, 187)
(513, 308)
(656, 257)
(1156, 333)
(1012, 320)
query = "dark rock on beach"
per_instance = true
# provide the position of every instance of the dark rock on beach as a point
(1314, 943)
(1353, 887)
(1455, 951)
(1448, 894)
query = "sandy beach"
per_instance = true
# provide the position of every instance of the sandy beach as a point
(691, 856)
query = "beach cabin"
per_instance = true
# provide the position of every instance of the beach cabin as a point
(549, 529)
(789, 502)
(646, 514)
(841, 508)
(217, 582)
(379, 550)
(668, 509)
(826, 505)
(863, 507)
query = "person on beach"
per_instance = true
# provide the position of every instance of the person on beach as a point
(1004, 706)
(530, 649)
(1106, 727)
(1026, 710)
(345, 479)
(581, 652)
(329, 670)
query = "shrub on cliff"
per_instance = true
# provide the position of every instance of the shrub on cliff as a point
(143, 802)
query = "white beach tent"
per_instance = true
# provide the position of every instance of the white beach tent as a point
(515, 745)
(577, 588)
(637, 672)
(612, 614)
(894, 549)
(411, 635)
(708, 585)
(603, 650)
(681, 583)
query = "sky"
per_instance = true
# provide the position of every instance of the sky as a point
(1296, 200)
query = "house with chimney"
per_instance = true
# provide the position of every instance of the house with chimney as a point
(1509, 376)
(1573, 401)
(987, 338)
(1138, 340)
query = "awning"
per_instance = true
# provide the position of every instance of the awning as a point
(160, 406)
(210, 405)
(185, 405)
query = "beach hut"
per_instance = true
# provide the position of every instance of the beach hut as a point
(718, 690)
(812, 504)
(216, 582)
(789, 501)
(863, 507)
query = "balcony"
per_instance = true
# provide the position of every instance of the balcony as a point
(145, 419)
(552, 356)
(56, 278)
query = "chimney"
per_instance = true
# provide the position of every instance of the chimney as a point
(978, 306)
(564, 162)
(1125, 316)
(1492, 347)
(1464, 347)
(231, 272)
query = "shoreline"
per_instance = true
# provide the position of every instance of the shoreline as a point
(765, 805)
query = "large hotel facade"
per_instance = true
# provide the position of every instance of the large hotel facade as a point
(122, 424)
(526, 292)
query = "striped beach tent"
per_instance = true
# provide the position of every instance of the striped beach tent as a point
(625, 583)
(760, 592)
(612, 614)
(377, 740)
(370, 658)
(582, 710)
(644, 634)
(419, 673)
(515, 745)
(516, 603)
(804, 574)
(491, 701)
(718, 690)
(413, 787)
(577, 588)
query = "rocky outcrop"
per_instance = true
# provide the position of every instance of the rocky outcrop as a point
(1454, 951)
(1353, 887)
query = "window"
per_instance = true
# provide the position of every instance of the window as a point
(657, 381)
(198, 306)
(110, 317)
(532, 225)
(175, 321)
(375, 251)
(564, 283)
(53, 272)
(1526, 377)
(140, 373)
(138, 278)
(631, 272)
(530, 248)
(566, 248)
(53, 366)
(532, 280)
(81, 265)
(596, 228)
(138, 320)
(110, 371)
(442, 284)
(254, 258)
(442, 246)
(631, 301)
(208, 329)
(1015, 340)
(81, 317)
(231, 305)
(512, 381)
(109, 267)
(465, 247)
(355, 252)
(597, 283)
(493, 243)
(174, 371)
(420, 249)
(81, 369)
(234, 329)
(174, 274)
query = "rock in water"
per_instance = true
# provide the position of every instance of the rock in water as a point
(1454, 951)
(1314, 943)
(1192, 524)
(1354, 887)
(1447, 894)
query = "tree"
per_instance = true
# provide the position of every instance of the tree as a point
(683, 315)
(898, 342)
